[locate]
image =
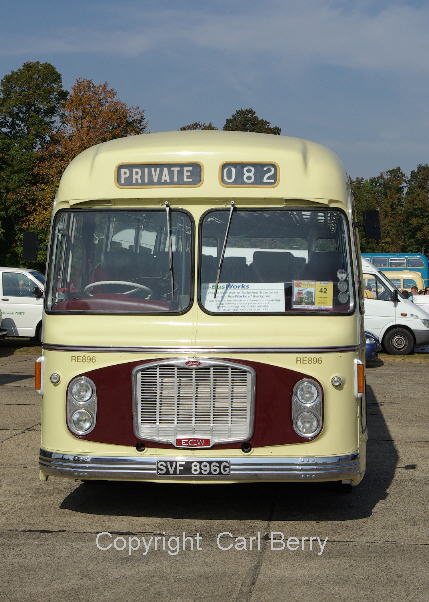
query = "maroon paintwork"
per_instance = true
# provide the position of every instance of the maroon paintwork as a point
(273, 413)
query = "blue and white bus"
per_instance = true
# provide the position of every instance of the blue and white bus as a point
(400, 261)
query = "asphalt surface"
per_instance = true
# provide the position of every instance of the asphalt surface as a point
(376, 546)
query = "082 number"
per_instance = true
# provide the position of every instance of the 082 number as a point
(251, 174)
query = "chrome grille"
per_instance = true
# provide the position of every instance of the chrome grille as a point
(179, 399)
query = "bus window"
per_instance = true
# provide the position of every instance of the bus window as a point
(415, 262)
(261, 273)
(408, 283)
(396, 282)
(379, 262)
(119, 262)
(375, 289)
(397, 262)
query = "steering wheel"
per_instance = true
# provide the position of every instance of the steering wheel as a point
(135, 287)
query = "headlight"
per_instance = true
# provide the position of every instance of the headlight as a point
(81, 389)
(307, 401)
(81, 405)
(426, 323)
(306, 423)
(82, 421)
(306, 392)
(369, 338)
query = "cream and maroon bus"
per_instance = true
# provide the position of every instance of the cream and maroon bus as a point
(202, 319)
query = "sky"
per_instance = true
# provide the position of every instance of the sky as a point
(350, 74)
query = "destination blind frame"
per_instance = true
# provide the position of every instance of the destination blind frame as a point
(141, 175)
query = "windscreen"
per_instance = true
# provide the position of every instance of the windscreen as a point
(40, 277)
(275, 261)
(106, 261)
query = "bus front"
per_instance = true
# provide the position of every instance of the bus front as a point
(202, 317)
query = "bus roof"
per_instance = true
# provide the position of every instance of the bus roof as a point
(306, 170)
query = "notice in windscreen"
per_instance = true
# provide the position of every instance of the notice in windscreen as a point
(244, 297)
(309, 294)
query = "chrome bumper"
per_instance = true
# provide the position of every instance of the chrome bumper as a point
(329, 468)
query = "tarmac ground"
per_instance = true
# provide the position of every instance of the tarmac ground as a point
(248, 542)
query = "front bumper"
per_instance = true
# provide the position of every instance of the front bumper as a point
(327, 468)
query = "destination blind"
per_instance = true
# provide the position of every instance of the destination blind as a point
(140, 175)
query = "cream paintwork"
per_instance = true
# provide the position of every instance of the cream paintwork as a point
(309, 174)
(199, 329)
(404, 275)
(307, 170)
(339, 436)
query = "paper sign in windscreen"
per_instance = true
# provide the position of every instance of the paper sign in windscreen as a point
(309, 294)
(244, 297)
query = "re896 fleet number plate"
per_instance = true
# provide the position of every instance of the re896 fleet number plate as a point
(192, 468)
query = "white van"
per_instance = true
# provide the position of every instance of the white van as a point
(398, 323)
(21, 302)
(3, 331)
(422, 301)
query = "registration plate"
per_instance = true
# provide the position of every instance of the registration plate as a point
(192, 468)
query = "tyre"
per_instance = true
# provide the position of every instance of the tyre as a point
(398, 341)
(38, 335)
(340, 488)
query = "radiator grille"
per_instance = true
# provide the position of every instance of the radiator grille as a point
(214, 400)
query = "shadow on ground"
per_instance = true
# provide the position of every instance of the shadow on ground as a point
(10, 346)
(376, 363)
(260, 501)
(7, 379)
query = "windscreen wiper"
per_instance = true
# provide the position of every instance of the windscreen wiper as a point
(225, 240)
(169, 245)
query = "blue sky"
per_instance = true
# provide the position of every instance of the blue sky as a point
(353, 75)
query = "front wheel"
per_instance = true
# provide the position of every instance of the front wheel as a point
(398, 341)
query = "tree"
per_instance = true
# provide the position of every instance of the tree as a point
(199, 125)
(31, 101)
(416, 211)
(392, 185)
(366, 196)
(385, 193)
(92, 114)
(30, 104)
(246, 120)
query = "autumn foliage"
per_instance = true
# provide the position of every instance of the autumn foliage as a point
(43, 127)
(92, 114)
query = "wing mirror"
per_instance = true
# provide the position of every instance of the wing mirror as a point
(371, 224)
(30, 246)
